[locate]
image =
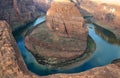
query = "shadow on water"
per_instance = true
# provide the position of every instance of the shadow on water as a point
(106, 50)
(106, 35)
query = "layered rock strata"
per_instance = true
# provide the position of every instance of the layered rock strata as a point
(19, 12)
(42, 4)
(11, 62)
(106, 13)
(62, 38)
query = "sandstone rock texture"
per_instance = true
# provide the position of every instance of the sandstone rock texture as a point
(42, 4)
(110, 71)
(11, 62)
(62, 38)
(19, 12)
(106, 13)
(65, 19)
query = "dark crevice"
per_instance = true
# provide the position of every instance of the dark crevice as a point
(66, 31)
(53, 27)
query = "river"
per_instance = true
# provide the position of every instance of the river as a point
(107, 50)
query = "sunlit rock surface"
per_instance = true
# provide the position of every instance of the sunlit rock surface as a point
(64, 21)
(110, 71)
(115, 2)
(63, 37)
(106, 13)
(61, 0)
(11, 62)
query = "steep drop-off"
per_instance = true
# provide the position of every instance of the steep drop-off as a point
(19, 12)
(11, 62)
(105, 13)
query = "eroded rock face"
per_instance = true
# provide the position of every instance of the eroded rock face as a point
(20, 12)
(106, 13)
(61, 39)
(42, 4)
(11, 62)
(110, 71)
(65, 19)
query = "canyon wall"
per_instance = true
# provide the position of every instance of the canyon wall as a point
(11, 62)
(115, 2)
(105, 13)
(42, 4)
(19, 12)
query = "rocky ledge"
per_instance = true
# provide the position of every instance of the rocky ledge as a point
(61, 39)
(11, 62)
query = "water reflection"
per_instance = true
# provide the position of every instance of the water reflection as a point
(107, 35)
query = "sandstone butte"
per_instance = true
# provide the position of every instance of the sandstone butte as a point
(106, 13)
(12, 65)
(61, 39)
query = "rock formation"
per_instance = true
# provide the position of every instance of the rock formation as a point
(106, 13)
(62, 38)
(11, 62)
(19, 12)
(64, 21)
(107, 35)
(109, 71)
(42, 4)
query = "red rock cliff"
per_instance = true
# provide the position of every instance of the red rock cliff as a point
(20, 12)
